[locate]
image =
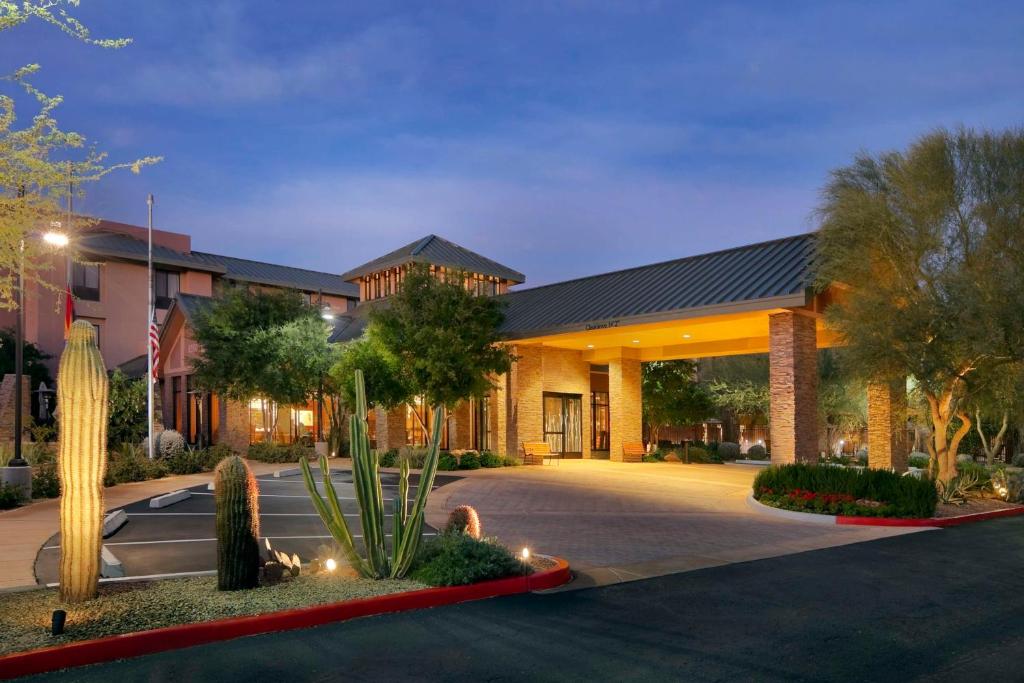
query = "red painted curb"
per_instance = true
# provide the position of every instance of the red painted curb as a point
(186, 635)
(928, 521)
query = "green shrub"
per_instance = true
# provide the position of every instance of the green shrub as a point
(728, 450)
(757, 452)
(126, 410)
(416, 455)
(469, 461)
(697, 454)
(976, 470)
(458, 559)
(657, 455)
(130, 463)
(10, 496)
(46, 481)
(844, 491)
(279, 453)
(488, 459)
(193, 460)
(39, 452)
(919, 460)
(1018, 460)
(446, 462)
(388, 458)
(511, 461)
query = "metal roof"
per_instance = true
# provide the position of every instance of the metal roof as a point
(762, 275)
(441, 252)
(115, 245)
(262, 273)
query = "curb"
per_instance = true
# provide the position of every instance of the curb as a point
(129, 645)
(846, 520)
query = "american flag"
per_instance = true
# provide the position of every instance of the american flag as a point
(154, 344)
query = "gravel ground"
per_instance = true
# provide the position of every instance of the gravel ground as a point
(138, 606)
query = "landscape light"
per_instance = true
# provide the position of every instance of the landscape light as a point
(526, 554)
(330, 564)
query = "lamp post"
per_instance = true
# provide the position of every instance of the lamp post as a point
(57, 239)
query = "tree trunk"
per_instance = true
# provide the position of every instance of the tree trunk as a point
(942, 449)
(995, 445)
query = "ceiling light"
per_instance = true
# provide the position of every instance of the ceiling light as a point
(636, 341)
(687, 335)
(590, 346)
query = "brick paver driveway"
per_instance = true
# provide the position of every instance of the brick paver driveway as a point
(617, 521)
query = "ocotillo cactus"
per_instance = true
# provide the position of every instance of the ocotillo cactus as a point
(82, 388)
(407, 523)
(238, 525)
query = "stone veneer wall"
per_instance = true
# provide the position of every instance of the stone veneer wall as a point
(460, 427)
(390, 428)
(234, 425)
(625, 406)
(793, 380)
(7, 407)
(887, 425)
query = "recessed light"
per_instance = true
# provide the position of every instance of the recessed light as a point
(636, 341)
(590, 346)
(687, 335)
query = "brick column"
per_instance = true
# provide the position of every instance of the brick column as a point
(390, 428)
(624, 405)
(7, 407)
(887, 425)
(526, 395)
(498, 416)
(793, 360)
(460, 427)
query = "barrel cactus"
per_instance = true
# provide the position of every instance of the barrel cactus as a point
(464, 520)
(166, 444)
(82, 389)
(238, 525)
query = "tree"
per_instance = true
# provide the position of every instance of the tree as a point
(126, 410)
(269, 345)
(998, 402)
(40, 163)
(929, 247)
(672, 397)
(842, 399)
(434, 339)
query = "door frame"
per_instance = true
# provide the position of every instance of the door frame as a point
(565, 398)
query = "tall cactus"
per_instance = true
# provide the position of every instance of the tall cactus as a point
(406, 522)
(238, 525)
(82, 388)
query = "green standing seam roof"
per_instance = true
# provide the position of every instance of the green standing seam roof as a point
(778, 269)
(115, 245)
(263, 273)
(440, 252)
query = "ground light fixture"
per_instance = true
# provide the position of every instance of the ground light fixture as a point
(525, 554)
(330, 564)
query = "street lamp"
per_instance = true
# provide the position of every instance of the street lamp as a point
(57, 239)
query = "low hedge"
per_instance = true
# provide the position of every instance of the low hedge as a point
(279, 453)
(842, 491)
(455, 559)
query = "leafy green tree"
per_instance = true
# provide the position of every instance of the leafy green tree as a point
(386, 385)
(126, 409)
(929, 244)
(998, 404)
(672, 397)
(842, 399)
(40, 162)
(744, 398)
(269, 345)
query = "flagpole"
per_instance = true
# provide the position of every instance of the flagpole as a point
(149, 321)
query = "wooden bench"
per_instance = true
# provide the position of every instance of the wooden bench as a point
(633, 451)
(534, 452)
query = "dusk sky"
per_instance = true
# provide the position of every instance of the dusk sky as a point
(560, 138)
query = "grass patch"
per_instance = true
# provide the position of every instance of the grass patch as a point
(144, 605)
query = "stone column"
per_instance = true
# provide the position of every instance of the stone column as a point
(7, 407)
(234, 425)
(460, 427)
(624, 406)
(390, 428)
(793, 361)
(498, 416)
(526, 396)
(887, 425)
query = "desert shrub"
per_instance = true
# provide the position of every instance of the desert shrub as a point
(46, 481)
(728, 450)
(38, 452)
(446, 462)
(416, 455)
(10, 496)
(126, 406)
(169, 443)
(657, 455)
(130, 463)
(458, 559)
(1017, 460)
(193, 460)
(976, 470)
(279, 453)
(511, 461)
(919, 460)
(697, 454)
(757, 452)
(843, 491)
(488, 459)
(388, 458)
(464, 520)
(469, 461)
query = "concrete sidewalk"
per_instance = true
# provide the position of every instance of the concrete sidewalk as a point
(24, 530)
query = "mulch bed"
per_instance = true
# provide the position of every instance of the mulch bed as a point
(972, 506)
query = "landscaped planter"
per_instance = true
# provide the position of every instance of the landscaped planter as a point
(847, 520)
(187, 635)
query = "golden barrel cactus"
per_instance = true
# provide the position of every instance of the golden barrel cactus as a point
(82, 388)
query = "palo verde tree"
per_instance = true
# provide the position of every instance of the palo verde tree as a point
(40, 164)
(266, 345)
(672, 397)
(929, 244)
(998, 404)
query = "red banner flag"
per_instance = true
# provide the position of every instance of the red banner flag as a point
(69, 311)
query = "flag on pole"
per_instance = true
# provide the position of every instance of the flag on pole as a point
(69, 311)
(154, 344)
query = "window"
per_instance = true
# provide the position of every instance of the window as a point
(481, 424)
(85, 281)
(165, 284)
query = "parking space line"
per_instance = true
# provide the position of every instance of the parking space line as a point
(212, 540)
(211, 514)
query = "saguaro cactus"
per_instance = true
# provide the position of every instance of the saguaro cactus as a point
(82, 388)
(238, 525)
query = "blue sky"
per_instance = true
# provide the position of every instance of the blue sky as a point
(561, 138)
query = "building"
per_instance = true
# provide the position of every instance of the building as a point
(579, 343)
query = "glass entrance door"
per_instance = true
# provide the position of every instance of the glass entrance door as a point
(563, 423)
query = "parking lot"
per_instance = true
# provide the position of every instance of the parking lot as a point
(181, 538)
